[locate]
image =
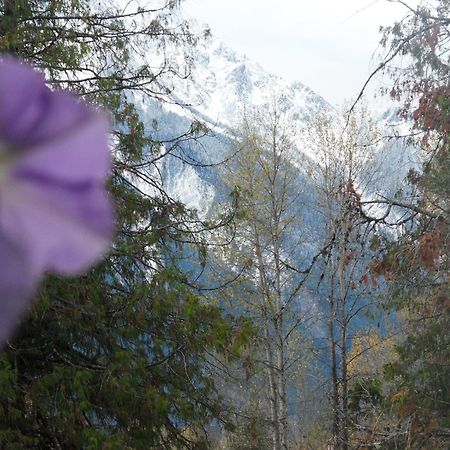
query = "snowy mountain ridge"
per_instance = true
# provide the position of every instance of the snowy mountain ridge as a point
(223, 84)
(225, 81)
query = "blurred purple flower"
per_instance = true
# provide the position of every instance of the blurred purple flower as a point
(55, 214)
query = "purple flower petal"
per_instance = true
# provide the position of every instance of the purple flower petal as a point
(63, 230)
(22, 94)
(74, 153)
(55, 214)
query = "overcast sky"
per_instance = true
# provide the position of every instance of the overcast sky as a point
(326, 44)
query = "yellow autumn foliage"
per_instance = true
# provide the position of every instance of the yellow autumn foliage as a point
(369, 354)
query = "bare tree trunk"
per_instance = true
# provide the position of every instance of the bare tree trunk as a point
(281, 349)
(282, 384)
(336, 431)
(332, 317)
(274, 401)
(278, 191)
(272, 375)
(343, 344)
(344, 381)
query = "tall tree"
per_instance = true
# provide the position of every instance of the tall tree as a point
(267, 251)
(346, 169)
(115, 358)
(418, 261)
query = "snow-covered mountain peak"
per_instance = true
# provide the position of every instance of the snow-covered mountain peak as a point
(224, 82)
(223, 85)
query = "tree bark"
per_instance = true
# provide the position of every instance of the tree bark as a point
(336, 431)
(343, 329)
(274, 400)
(272, 376)
(277, 193)
(281, 383)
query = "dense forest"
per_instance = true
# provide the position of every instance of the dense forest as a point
(300, 302)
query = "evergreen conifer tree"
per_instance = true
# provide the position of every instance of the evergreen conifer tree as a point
(115, 358)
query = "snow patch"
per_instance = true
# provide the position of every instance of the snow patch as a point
(186, 186)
